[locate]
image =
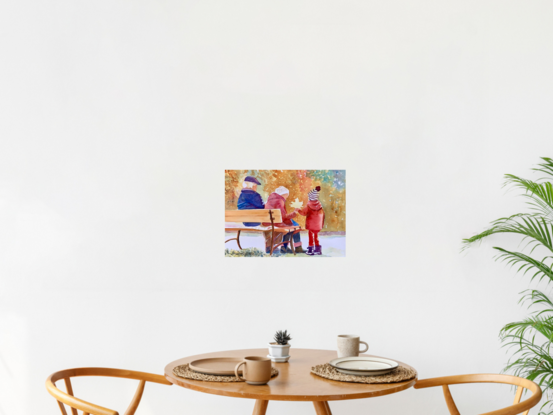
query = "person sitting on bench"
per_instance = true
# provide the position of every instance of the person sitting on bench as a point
(277, 200)
(249, 198)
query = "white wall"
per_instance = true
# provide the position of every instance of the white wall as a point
(119, 117)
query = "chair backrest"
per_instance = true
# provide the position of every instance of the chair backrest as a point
(516, 408)
(88, 408)
(253, 215)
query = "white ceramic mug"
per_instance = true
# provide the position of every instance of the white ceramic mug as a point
(348, 345)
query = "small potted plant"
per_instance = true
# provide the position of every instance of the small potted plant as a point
(279, 350)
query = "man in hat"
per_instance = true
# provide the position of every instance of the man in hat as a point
(249, 198)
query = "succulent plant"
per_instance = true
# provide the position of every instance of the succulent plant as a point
(282, 337)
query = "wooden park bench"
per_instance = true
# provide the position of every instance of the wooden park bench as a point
(234, 219)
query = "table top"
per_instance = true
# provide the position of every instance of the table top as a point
(295, 382)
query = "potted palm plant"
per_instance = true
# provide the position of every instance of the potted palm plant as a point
(279, 350)
(532, 338)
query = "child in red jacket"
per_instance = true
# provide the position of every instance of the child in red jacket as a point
(314, 221)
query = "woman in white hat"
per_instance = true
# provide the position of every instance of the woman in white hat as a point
(277, 200)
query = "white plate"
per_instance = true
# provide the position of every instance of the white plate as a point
(364, 365)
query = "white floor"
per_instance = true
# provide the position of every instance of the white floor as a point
(332, 245)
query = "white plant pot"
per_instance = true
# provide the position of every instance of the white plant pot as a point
(277, 350)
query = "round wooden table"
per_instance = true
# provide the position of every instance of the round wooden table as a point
(295, 382)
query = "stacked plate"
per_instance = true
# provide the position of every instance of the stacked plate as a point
(363, 365)
(218, 366)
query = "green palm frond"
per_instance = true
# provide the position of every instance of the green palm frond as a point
(537, 368)
(527, 263)
(533, 228)
(532, 362)
(540, 195)
(535, 324)
(532, 359)
(536, 297)
(546, 167)
(531, 339)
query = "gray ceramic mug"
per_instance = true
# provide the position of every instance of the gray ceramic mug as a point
(348, 345)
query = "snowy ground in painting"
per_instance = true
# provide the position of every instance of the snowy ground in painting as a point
(333, 245)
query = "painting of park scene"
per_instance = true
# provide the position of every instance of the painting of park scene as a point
(285, 213)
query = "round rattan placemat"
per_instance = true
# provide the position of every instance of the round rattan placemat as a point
(184, 371)
(400, 374)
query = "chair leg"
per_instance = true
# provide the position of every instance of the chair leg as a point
(272, 241)
(235, 239)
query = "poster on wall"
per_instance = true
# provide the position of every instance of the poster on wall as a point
(285, 213)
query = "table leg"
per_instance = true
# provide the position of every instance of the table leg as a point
(322, 408)
(260, 407)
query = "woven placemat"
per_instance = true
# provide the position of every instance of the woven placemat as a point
(400, 374)
(184, 371)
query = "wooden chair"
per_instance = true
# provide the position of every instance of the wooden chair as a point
(89, 408)
(517, 407)
(234, 219)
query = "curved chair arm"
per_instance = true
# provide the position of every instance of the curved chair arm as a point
(109, 372)
(90, 408)
(515, 409)
(476, 378)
